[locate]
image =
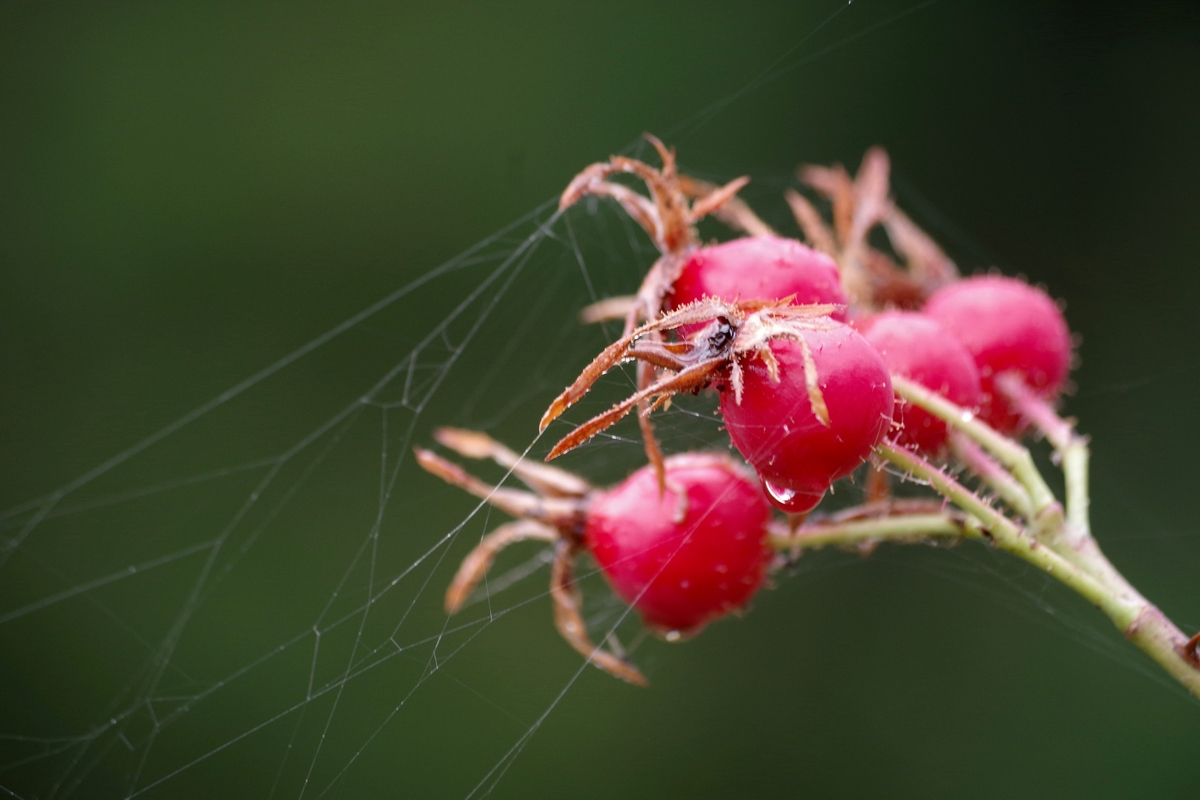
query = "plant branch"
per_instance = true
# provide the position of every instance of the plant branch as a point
(1072, 450)
(1141, 622)
(1013, 456)
(996, 477)
(902, 528)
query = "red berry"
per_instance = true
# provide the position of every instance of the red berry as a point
(682, 557)
(682, 573)
(757, 268)
(1008, 326)
(919, 348)
(775, 428)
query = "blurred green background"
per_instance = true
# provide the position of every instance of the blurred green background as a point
(190, 192)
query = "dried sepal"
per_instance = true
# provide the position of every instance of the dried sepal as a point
(540, 517)
(693, 377)
(477, 563)
(669, 214)
(871, 195)
(837, 186)
(733, 212)
(871, 278)
(809, 219)
(621, 350)
(568, 619)
(717, 198)
(925, 259)
(609, 308)
(543, 479)
(556, 511)
(736, 331)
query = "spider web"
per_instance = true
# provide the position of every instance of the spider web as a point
(179, 567)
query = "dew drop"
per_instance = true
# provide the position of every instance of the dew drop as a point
(967, 416)
(673, 636)
(788, 500)
(778, 493)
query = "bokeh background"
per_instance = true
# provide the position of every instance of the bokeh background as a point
(189, 193)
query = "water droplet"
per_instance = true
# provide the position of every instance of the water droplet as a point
(788, 500)
(673, 636)
(967, 416)
(778, 493)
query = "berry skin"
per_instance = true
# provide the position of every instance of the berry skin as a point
(1007, 326)
(775, 428)
(758, 268)
(920, 349)
(681, 557)
(680, 574)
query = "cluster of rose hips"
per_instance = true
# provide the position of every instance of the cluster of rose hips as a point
(800, 344)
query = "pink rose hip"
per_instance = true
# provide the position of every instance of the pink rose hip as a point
(682, 553)
(779, 432)
(805, 398)
(682, 573)
(1008, 326)
(758, 268)
(917, 347)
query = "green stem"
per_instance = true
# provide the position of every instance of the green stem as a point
(993, 475)
(904, 528)
(1046, 513)
(1141, 622)
(1004, 532)
(1075, 537)
(1072, 448)
(1015, 458)
(1075, 471)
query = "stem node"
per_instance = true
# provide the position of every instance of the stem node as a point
(1189, 651)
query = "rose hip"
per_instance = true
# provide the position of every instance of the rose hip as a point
(682, 556)
(1008, 326)
(757, 268)
(776, 427)
(682, 572)
(917, 347)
